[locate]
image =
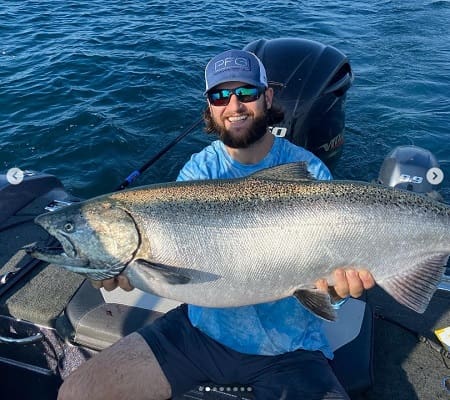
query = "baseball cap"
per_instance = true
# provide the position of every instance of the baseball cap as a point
(235, 66)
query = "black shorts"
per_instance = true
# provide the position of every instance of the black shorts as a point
(190, 359)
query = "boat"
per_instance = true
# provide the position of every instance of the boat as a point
(51, 320)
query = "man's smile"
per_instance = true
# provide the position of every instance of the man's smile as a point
(237, 118)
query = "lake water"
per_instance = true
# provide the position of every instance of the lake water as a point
(89, 90)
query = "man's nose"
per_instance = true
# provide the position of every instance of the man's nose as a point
(234, 103)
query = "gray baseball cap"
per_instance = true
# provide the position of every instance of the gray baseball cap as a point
(235, 66)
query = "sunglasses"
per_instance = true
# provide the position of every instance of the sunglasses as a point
(245, 94)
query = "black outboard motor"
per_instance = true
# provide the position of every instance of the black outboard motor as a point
(406, 167)
(310, 81)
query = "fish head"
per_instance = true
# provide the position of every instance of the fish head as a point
(98, 238)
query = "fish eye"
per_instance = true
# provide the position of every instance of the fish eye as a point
(69, 227)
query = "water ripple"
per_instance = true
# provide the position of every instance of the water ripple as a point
(90, 89)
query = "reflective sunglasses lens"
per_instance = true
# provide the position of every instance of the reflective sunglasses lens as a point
(245, 94)
(220, 97)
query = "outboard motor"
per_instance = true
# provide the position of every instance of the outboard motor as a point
(310, 81)
(406, 167)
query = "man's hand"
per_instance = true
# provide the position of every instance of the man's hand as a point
(347, 282)
(110, 284)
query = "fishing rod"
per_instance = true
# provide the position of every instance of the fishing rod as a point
(135, 174)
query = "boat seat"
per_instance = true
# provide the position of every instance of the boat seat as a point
(97, 323)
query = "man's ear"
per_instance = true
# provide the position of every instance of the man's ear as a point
(268, 94)
(209, 106)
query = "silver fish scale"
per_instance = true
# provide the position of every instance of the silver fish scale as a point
(265, 253)
(236, 242)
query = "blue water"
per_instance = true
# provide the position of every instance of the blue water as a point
(90, 89)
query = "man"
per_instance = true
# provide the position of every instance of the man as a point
(278, 348)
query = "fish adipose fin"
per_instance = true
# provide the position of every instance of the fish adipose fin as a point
(164, 272)
(317, 302)
(415, 289)
(286, 172)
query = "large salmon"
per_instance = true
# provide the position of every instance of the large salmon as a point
(224, 243)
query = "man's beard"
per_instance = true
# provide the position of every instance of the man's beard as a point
(241, 141)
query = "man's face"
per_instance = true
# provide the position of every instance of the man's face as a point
(241, 124)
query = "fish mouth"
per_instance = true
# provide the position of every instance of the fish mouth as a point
(67, 245)
(62, 252)
(56, 255)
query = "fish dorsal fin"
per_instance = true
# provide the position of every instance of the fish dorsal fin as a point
(297, 171)
(415, 289)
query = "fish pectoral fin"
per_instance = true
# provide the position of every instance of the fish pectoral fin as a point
(164, 272)
(415, 289)
(297, 171)
(319, 303)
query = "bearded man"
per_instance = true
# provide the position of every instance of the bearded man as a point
(277, 349)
